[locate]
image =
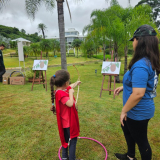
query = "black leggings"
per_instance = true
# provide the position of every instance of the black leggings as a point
(136, 132)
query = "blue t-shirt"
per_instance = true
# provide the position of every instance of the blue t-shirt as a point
(141, 75)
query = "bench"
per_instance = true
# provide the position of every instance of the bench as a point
(13, 55)
(71, 55)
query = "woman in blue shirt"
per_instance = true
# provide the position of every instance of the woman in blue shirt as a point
(139, 89)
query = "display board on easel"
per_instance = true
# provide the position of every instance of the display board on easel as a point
(40, 65)
(110, 68)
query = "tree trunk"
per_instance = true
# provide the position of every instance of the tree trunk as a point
(104, 53)
(116, 57)
(43, 34)
(77, 52)
(96, 52)
(125, 61)
(62, 34)
(110, 48)
(46, 54)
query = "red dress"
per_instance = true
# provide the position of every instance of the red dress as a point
(73, 117)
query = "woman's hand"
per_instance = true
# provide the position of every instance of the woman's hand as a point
(118, 90)
(123, 116)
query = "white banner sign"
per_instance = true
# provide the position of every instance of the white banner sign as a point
(20, 51)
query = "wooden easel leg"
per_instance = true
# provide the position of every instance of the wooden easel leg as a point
(102, 85)
(46, 80)
(110, 80)
(43, 80)
(114, 86)
(33, 80)
(39, 77)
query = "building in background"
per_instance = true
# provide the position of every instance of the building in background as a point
(70, 35)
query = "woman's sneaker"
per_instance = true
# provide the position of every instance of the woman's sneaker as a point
(122, 156)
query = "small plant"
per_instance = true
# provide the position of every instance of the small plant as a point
(30, 73)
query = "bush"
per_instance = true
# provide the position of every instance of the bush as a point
(30, 73)
(101, 56)
(130, 51)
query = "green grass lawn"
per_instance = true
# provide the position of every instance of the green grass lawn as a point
(14, 62)
(29, 130)
(6, 51)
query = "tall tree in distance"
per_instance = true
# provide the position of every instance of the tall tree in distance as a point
(55, 45)
(45, 46)
(23, 31)
(42, 27)
(76, 44)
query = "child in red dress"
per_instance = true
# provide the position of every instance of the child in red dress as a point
(67, 116)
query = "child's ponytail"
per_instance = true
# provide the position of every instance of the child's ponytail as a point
(58, 80)
(52, 83)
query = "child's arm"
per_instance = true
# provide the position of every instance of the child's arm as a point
(70, 102)
(73, 85)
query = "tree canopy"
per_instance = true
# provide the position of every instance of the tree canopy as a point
(14, 33)
(76, 44)
(42, 27)
(155, 4)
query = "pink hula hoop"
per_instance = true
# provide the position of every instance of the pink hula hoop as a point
(89, 139)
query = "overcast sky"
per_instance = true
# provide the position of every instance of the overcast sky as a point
(14, 15)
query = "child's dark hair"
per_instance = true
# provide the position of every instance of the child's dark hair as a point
(59, 79)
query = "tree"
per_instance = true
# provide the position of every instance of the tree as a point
(32, 8)
(155, 4)
(26, 50)
(15, 30)
(13, 44)
(88, 47)
(116, 25)
(42, 27)
(35, 49)
(76, 44)
(55, 45)
(23, 31)
(5, 41)
(98, 28)
(45, 45)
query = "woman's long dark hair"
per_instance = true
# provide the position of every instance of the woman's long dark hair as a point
(58, 80)
(147, 47)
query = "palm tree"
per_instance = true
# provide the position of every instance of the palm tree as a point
(45, 46)
(32, 8)
(76, 44)
(42, 27)
(55, 45)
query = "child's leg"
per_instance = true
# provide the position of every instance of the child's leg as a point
(72, 149)
(64, 153)
(65, 150)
